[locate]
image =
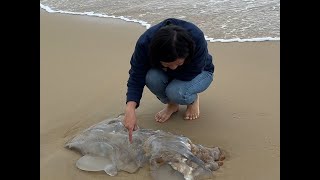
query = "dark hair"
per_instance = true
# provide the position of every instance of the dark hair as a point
(169, 43)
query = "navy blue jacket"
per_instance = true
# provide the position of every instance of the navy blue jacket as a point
(201, 61)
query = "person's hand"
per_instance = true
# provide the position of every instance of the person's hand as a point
(130, 120)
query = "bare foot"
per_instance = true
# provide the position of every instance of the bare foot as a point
(166, 113)
(193, 110)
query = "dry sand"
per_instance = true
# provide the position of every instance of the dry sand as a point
(84, 70)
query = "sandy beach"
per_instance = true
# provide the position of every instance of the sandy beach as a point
(84, 63)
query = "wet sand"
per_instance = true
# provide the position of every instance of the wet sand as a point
(84, 69)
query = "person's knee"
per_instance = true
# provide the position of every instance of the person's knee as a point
(153, 78)
(178, 95)
(151, 74)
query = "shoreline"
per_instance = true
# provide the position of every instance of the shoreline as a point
(147, 25)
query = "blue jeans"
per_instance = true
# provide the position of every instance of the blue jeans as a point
(177, 91)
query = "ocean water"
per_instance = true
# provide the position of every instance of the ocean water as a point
(220, 20)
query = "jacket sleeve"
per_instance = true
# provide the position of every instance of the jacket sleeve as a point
(137, 73)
